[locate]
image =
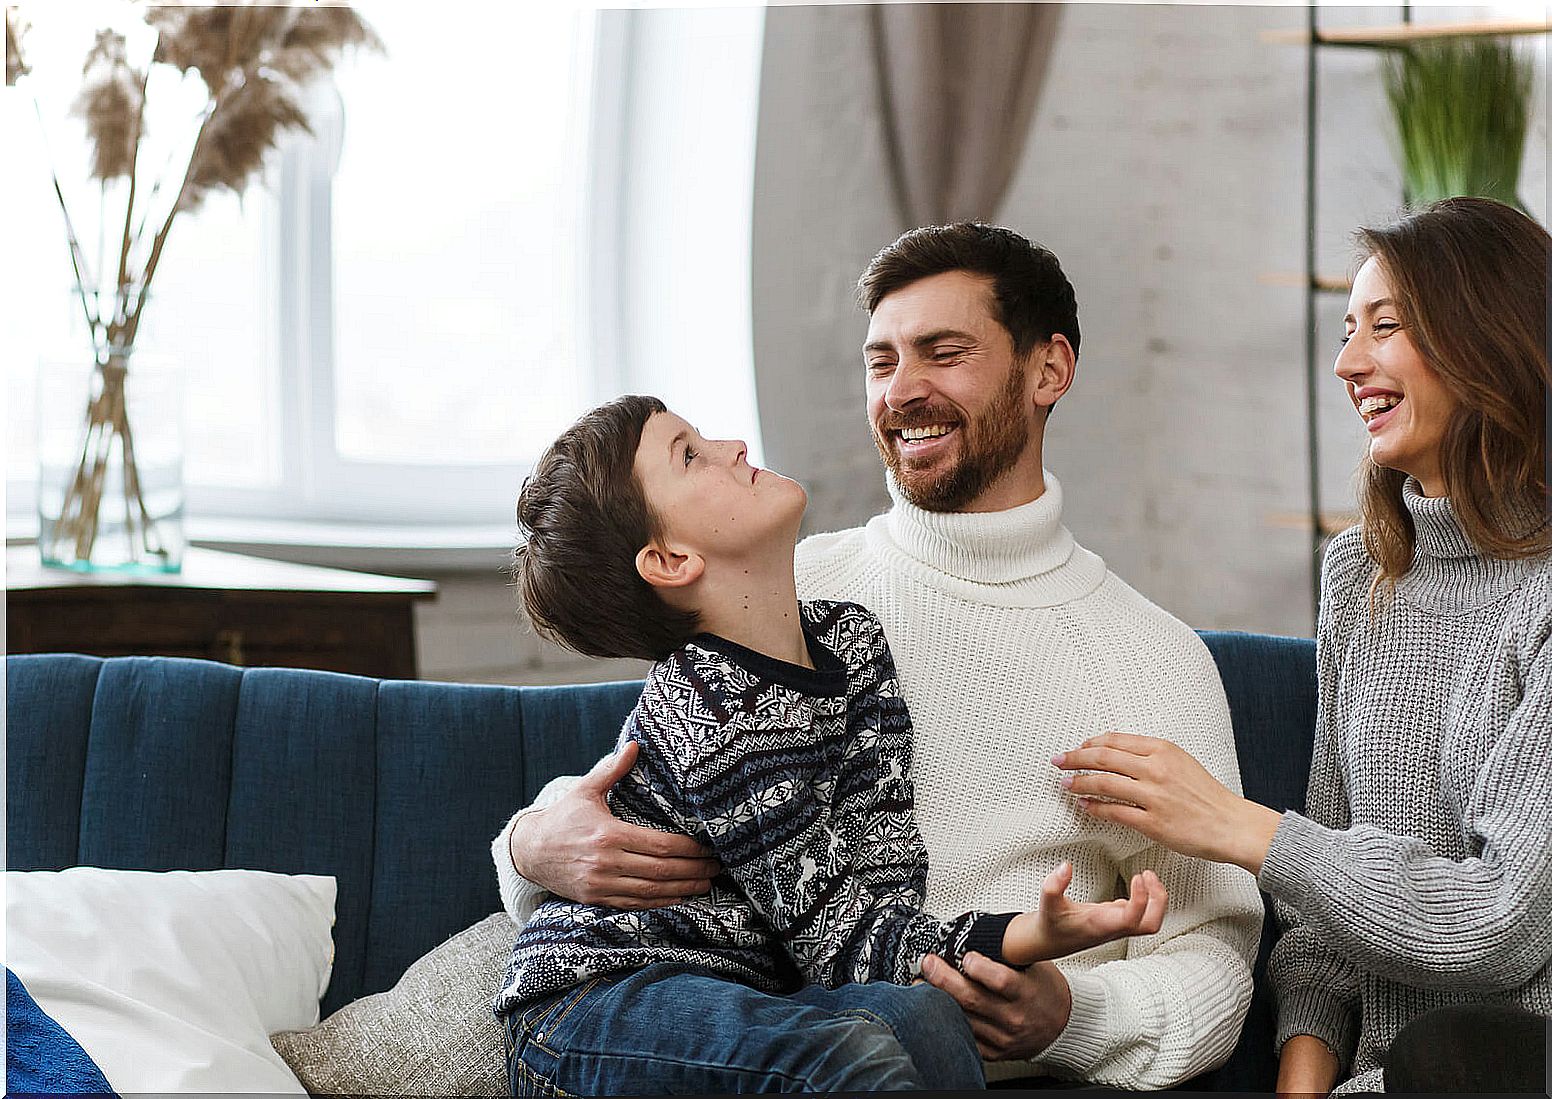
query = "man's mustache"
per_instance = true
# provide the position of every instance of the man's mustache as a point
(917, 417)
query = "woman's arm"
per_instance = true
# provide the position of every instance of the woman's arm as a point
(1307, 1067)
(1161, 790)
(1387, 901)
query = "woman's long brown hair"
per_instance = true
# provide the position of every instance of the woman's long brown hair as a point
(1470, 279)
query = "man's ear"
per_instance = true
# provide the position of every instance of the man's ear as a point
(1054, 364)
(663, 567)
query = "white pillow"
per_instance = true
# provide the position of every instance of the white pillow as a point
(174, 981)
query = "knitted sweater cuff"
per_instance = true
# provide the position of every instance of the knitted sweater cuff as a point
(1309, 1009)
(1298, 853)
(1086, 1039)
(985, 937)
(519, 896)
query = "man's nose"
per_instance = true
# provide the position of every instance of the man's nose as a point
(907, 385)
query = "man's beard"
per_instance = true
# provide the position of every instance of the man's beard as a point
(989, 446)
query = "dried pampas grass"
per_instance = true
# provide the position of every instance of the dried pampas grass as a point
(238, 136)
(111, 102)
(253, 60)
(15, 67)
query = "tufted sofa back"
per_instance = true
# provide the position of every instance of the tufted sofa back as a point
(396, 788)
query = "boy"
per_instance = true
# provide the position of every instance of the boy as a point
(774, 733)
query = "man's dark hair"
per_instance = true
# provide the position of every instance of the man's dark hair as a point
(581, 518)
(1031, 297)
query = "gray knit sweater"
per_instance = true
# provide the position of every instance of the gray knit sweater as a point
(1422, 873)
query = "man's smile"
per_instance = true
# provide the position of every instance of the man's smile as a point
(923, 441)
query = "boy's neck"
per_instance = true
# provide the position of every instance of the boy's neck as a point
(757, 607)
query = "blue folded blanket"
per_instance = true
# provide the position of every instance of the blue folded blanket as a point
(40, 1056)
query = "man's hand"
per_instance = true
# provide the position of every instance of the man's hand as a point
(1161, 790)
(577, 849)
(1061, 926)
(1013, 1015)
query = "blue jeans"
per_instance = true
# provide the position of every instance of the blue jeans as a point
(668, 1029)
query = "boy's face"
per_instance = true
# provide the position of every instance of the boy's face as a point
(710, 500)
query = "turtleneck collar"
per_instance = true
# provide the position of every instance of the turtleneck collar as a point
(1449, 573)
(1439, 533)
(1022, 556)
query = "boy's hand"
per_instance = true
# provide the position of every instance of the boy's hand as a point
(1060, 926)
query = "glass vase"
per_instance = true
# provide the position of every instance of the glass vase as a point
(110, 463)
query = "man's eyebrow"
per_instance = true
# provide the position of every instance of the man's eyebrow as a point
(1370, 308)
(926, 339)
(675, 441)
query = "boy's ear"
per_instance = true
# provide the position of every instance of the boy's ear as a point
(662, 567)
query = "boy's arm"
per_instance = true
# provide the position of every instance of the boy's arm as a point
(791, 863)
(748, 768)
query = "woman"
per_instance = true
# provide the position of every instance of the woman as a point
(1416, 889)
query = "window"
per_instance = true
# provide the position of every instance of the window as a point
(511, 214)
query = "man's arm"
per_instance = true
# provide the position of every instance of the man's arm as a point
(569, 843)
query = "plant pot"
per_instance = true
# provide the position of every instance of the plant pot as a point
(110, 464)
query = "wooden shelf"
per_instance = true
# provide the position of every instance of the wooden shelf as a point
(1324, 284)
(1403, 33)
(1331, 522)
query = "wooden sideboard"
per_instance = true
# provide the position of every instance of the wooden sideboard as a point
(222, 606)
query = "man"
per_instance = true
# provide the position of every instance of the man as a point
(1012, 643)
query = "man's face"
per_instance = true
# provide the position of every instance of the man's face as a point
(949, 403)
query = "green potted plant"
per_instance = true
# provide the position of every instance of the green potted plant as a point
(1461, 108)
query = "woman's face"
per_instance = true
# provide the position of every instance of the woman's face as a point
(1402, 401)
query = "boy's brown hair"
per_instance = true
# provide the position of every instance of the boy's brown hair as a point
(581, 518)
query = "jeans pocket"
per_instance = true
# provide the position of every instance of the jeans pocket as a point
(536, 1039)
(527, 1081)
(540, 1019)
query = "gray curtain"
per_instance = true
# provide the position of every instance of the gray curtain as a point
(957, 89)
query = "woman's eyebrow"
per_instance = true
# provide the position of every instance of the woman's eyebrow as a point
(674, 443)
(1370, 308)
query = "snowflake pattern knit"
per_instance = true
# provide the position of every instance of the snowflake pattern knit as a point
(800, 780)
(1420, 874)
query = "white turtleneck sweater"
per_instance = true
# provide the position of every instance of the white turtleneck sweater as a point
(1013, 643)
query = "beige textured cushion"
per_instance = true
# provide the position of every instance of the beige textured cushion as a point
(433, 1033)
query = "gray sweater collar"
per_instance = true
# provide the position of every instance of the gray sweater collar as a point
(1449, 573)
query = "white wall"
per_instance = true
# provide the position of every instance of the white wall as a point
(1165, 168)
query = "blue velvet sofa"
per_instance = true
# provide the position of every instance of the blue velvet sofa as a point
(396, 788)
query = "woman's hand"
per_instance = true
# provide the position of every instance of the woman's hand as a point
(1061, 926)
(1161, 790)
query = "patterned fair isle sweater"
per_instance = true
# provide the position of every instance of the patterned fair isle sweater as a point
(1420, 874)
(800, 780)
